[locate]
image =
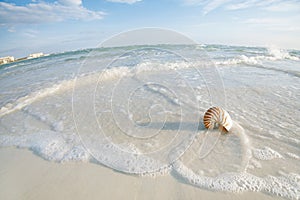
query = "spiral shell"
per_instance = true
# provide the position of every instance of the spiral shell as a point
(217, 117)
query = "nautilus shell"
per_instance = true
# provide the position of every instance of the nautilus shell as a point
(217, 117)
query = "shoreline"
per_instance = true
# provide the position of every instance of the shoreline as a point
(27, 176)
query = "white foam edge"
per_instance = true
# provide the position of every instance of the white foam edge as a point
(285, 186)
(50, 145)
(266, 153)
(58, 147)
(274, 54)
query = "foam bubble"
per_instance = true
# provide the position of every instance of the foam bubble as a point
(233, 182)
(292, 155)
(285, 186)
(254, 164)
(129, 159)
(266, 153)
(50, 145)
(280, 54)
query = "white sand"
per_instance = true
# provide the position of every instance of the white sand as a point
(24, 175)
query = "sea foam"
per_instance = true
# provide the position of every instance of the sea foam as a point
(285, 186)
(50, 145)
(273, 54)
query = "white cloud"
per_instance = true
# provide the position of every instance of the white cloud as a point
(11, 30)
(30, 33)
(242, 5)
(34, 13)
(213, 5)
(207, 5)
(270, 5)
(124, 1)
(71, 2)
(285, 6)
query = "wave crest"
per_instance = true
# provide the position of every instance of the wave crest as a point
(272, 54)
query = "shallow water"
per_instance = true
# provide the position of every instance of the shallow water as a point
(139, 110)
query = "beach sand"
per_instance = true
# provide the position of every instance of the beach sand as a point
(24, 175)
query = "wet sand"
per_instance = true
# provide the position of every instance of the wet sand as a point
(24, 175)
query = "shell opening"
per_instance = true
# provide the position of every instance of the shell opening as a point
(216, 117)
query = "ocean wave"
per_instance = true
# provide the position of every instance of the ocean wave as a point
(272, 54)
(144, 67)
(108, 74)
(32, 97)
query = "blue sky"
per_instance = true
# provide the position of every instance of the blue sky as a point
(28, 26)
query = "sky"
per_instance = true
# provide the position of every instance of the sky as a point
(50, 26)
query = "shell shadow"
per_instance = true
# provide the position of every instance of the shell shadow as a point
(174, 126)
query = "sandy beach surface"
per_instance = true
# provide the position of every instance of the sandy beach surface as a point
(26, 176)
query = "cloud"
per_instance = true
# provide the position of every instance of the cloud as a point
(41, 12)
(284, 6)
(242, 5)
(212, 5)
(270, 5)
(71, 2)
(30, 33)
(11, 29)
(207, 5)
(124, 1)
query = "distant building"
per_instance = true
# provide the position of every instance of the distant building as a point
(35, 55)
(10, 59)
(7, 59)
